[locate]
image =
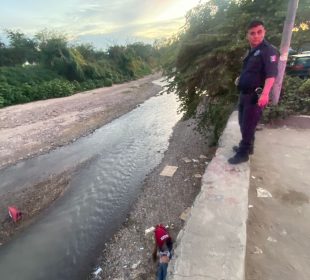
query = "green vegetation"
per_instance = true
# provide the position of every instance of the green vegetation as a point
(295, 98)
(46, 66)
(202, 62)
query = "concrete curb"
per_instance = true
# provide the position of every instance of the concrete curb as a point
(213, 242)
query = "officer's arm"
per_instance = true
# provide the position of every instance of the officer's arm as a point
(264, 98)
(268, 86)
(270, 58)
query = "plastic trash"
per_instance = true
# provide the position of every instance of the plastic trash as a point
(186, 160)
(270, 239)
(283, 232)
(169, 171)
(263, 193)
(15, 213)
(134, 266)
(97, 271)
(149, 230)
(184, 216)
(257, 251)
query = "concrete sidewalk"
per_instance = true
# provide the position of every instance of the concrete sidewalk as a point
(278, 228)
(212, 244)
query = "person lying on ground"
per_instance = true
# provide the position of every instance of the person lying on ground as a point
(162, 249)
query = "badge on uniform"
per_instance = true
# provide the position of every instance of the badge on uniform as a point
(273, 58)
(257, 53)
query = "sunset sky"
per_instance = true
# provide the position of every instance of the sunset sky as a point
(100, 22)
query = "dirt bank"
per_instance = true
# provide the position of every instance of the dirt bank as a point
(31, 129)
(163, 200)
(34, 128)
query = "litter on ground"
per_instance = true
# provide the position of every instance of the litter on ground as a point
(184, 216)
(270, 239)
(263, 193)
(186, 160)
(169, 171)
(149, 230)
(134, 266)
(97, 271)
(257, 251)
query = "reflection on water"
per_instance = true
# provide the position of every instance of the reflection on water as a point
(65, 240)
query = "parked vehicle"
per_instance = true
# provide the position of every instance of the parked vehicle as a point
(299, 65)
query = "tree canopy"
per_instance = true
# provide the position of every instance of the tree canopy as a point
(210, 50)
(47, 65)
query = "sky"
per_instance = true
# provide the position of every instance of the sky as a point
(100, 22)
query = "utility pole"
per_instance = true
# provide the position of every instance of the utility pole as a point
(284, 49)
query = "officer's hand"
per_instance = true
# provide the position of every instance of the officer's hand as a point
(263, 100)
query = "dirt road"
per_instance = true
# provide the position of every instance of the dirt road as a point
(37, 127)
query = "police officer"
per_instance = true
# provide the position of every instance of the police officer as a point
(260, 68)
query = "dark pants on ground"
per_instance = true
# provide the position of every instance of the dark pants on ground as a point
(162, 271)
(249, 116)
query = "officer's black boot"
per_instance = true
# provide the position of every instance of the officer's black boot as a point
(239, 158)
(251, 150)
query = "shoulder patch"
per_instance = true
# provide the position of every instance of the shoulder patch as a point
(273, 58)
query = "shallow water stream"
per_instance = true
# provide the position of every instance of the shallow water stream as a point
(65, 240)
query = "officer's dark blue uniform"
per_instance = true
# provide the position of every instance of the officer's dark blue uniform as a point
(258, 65)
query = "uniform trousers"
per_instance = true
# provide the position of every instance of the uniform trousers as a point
(249, 114)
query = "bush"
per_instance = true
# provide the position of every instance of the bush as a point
(294, 99)
(77, 86)
(87, 85)
(57, 88)
(1, 101)
(30, 74)
(107, 83)
(25, 93)
(304, 97)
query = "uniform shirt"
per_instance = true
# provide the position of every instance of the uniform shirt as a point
(260, 63)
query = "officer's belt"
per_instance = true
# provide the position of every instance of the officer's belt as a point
(248, 91)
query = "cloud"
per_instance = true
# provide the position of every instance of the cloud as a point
(161, 29)
(97, 21)
(116, 12)
(147, 32)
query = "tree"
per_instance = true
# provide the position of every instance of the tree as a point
(210, 54)
(21, 48)
(59, 57)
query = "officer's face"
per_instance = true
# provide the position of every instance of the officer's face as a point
(256, 35)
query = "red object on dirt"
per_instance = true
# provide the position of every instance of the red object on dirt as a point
(14, 213)
(161, 235)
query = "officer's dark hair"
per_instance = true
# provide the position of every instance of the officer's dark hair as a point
(255, 23)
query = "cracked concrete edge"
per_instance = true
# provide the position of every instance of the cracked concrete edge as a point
(212, 243)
